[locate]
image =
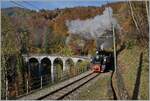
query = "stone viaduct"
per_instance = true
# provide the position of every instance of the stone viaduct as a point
(52, 58)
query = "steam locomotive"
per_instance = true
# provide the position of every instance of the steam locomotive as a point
(102, 61)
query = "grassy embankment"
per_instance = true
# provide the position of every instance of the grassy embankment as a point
(129, 60)
(99, 90)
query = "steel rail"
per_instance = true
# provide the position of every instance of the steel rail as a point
(64, 91)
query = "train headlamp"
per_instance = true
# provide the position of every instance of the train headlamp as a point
(105, 59)
(97, 57)
(91, 59)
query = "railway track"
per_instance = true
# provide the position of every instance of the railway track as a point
(67, 89)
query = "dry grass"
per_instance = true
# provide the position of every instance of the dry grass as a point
(129, 61)
(97, 91)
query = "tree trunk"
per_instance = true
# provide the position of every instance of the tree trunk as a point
(140, 32)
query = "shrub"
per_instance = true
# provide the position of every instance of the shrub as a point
(130, 44)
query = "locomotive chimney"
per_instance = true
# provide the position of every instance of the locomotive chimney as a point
(102, 47)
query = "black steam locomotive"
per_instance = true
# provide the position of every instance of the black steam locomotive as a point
(103, 61)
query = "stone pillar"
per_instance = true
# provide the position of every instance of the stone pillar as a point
(39, 68)
(64, 67)
(52, 71)
(28, 78)
(27, 83)
(75, 65)
(75, 61)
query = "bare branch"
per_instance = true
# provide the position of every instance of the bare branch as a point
(132, 14)
(147, 10)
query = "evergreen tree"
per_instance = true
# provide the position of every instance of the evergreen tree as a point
(47, 40)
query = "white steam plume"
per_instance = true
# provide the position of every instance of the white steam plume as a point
(94, 27)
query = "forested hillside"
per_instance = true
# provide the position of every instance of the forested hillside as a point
(46, 31)
(24, 31)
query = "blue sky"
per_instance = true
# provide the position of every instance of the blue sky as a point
(52, 4)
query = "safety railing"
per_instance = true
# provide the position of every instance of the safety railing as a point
(31, 84)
